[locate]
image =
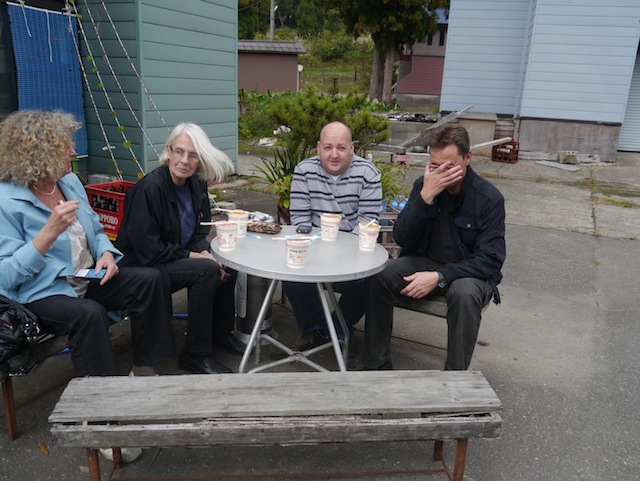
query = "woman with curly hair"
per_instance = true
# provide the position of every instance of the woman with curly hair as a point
(48, 232)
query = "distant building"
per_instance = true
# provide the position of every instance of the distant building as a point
(268, 66)
(420, 70)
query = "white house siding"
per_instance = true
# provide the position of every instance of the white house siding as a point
(484, 57)
(580, 60)
(186, 53)
(630, 129)
(542, 58)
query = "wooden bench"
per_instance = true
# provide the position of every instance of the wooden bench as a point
(48, 345)
(277, 408)
(434, 307)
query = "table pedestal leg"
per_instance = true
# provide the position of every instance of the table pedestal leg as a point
(331, 327)
(257, 327)
(341, 320)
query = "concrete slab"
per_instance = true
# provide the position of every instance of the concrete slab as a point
(551, 206)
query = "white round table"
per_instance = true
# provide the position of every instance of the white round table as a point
(264, 255)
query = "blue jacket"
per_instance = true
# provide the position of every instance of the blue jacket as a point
(479, 229)
(25, 275)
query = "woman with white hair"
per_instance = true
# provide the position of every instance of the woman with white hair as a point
(162, 228)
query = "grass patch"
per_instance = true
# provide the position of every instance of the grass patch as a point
(252, 148)
(337, 77)
(627, 204)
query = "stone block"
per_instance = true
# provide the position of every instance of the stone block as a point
(568, 157)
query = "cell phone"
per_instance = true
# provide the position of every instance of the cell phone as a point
(90, 273)
(303, 229)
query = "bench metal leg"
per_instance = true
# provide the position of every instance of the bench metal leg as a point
(461, 456)
(437, 450)
(94, 464)
(9, 409)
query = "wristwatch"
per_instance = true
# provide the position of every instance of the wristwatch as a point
(442, 282)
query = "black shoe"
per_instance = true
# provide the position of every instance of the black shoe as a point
(201, 364)
(231, 344)
(304, 342)
(387, 366)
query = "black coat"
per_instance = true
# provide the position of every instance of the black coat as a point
(479, 230)
(150, 231)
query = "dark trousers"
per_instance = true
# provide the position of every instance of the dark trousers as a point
(211, 302)
(466, 297)
(307, 308)
(135, 289)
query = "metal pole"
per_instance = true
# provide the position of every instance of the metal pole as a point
(272, 20)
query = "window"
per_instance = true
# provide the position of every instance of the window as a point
(443, 35)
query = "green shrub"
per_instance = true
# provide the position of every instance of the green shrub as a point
(392, 179)
(306, 112)
(279, 172)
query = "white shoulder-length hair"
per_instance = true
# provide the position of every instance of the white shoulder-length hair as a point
(213, 165)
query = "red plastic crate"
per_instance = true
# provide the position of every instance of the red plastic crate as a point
(107, 199)
(507, 152)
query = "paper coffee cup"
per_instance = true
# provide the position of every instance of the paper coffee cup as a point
(241, 219)
(226, 234)
(368, 235)
(329, 226)
(297, 252)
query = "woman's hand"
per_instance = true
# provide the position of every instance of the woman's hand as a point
(108, 262)
(62, 216)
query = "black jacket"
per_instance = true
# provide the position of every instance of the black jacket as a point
(479, 229)
(150, 231)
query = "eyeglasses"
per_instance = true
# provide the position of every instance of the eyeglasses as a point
(179, 153)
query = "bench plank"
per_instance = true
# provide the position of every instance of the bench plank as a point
(288, 394)
(290, 430)
(434, 307)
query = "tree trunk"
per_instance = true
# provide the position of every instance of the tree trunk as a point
(390, 60)
(377, 72)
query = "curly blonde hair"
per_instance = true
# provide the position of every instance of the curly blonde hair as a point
(33, 144)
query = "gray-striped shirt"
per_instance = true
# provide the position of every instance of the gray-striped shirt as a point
(356, 193)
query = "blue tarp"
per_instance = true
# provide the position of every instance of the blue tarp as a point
(49, 76)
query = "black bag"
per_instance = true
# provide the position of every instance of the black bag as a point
(18, 332)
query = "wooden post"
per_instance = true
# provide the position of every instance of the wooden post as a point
(9, 408)
(461, 456)
(94, 464)
(272, 20)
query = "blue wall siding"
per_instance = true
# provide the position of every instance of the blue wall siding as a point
(484, 57)
(190, 63)
(100, 34)
(581, 60)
